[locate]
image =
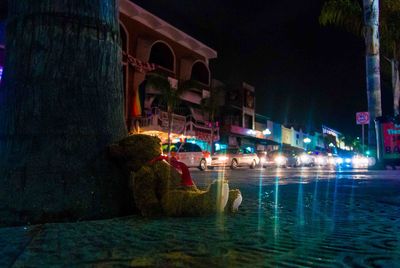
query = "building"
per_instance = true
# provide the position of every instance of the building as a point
(240, 126)
(151, 46)
(271, 131)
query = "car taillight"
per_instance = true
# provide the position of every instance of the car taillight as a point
(174, 154)
(206, 154)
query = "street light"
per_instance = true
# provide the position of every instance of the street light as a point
(307, 141)
(267, 132)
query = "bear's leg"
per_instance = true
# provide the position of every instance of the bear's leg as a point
(234, 201)
(144, 190)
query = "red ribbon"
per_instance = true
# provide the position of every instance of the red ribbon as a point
(185, 176)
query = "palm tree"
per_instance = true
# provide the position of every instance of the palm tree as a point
(170, 96)
(210, 107)
(390, 41)
(348, 14)
(61, 105)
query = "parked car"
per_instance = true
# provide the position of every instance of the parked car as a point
(234, 157)
(263, 158)
(307, 159)
(273, 159)
(281, 159)
(322, 160)
(293, 160)
(190, 154)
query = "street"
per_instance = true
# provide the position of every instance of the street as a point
(268, 176)
(288, 218)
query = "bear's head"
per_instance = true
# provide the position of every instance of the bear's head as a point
(136, 150)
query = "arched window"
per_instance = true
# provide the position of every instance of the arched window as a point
(200, 73)
(162, 55)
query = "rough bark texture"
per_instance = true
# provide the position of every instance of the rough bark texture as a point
(396, 86)
(61, 104)
(371, 20)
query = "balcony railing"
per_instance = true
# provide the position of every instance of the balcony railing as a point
(185, 125)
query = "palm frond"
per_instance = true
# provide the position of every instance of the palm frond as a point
(211, 105)
(187, 85)
(390, 30)
(346, 14)
(158, 82)
(390, 6)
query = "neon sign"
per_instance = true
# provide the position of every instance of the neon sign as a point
(391, 140)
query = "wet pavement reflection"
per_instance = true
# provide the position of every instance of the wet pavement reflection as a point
(297, 219)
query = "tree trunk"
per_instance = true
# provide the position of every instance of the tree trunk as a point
(371, 20)
(212, 134)
(169, 114)
(61, 104)
(212, 139)
(396, 86)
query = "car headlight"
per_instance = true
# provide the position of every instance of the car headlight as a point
(321, 160)
(360, 161)
(371, 161)
(339, 160)
(279, 160)
(304, 158)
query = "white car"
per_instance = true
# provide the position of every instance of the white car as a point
(190, 154)
(234, 158)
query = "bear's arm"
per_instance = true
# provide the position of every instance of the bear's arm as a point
(144, 191)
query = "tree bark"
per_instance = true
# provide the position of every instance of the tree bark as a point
(371, 20)
(396, 86)
(61, 104)
(169, 114)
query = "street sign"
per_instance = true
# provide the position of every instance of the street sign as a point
(362, 118)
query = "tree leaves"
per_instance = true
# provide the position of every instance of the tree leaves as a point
(347, 14)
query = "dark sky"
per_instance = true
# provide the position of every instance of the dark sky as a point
(304, 74)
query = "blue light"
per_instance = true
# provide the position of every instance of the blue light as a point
(217, 147)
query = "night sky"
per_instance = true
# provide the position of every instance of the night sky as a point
(304, 74)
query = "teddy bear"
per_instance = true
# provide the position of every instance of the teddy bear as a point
(163, 186)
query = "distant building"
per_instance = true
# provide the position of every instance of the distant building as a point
(241, 126)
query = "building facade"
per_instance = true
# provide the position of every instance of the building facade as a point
(151, 46)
